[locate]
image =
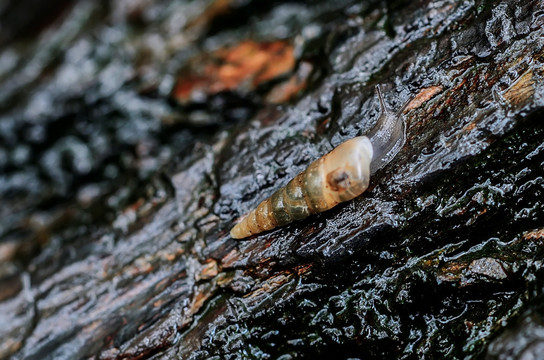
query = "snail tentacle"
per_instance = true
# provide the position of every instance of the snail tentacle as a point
(387, 136)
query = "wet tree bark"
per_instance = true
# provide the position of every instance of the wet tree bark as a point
(135, 134)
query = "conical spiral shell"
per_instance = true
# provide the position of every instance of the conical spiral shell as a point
(339, 176)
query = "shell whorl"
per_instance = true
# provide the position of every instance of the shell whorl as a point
(339, 176)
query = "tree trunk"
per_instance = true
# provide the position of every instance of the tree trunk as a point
(135, 134)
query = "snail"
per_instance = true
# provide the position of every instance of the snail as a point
(341, 175)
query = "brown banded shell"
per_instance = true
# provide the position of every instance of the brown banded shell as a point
(339, 176)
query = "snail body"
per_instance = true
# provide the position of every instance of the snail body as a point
(341, 175)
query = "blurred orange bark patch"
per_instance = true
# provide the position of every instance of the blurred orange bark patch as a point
(288, 89)
(239, 68)
(534, 235)
(423, 96)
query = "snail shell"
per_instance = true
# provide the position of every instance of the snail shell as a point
(341, 175)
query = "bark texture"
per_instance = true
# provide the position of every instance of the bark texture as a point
(135, 134)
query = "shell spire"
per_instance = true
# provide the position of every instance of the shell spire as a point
(339, 176)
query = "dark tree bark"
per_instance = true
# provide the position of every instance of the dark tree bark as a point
(134, 134)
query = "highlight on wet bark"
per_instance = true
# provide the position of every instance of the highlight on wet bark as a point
(341, 175)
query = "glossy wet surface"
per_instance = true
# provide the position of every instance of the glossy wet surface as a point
(117, 196)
